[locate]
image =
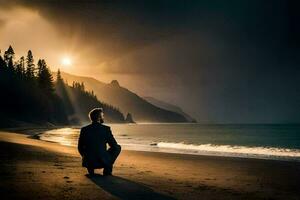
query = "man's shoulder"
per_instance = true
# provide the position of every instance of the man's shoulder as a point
(105, 126)
(86, 127)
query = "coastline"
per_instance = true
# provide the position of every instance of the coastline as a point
(38, 169)
(133, 140)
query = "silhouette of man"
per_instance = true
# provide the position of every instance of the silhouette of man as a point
(92, 144)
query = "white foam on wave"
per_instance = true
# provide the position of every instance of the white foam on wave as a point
(229, 150)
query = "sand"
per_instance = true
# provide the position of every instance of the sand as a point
(33, 169)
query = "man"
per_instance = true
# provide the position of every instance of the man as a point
(92, 144)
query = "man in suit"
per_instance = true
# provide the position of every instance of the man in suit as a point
(92, 144)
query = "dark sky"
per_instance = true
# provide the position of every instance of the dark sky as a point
(222, 61)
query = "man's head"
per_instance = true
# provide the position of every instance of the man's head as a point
(96, 115)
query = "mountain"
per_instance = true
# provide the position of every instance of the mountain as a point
(127, 101)
(169, 106)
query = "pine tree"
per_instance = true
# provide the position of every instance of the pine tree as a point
(44, 77)
(40, 66)
(58, 76)
(82, 86)
(19, 69)
(9, 54)
(61, 90)
(30, 65)
(60, 85)
(10, 65)
(22, 65)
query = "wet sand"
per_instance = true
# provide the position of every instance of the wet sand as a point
(33, 169)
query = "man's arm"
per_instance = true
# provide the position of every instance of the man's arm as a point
(81, 143)
(111, 140)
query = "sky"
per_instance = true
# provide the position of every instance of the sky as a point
(221, 61)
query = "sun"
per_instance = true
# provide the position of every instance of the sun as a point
(66, 61)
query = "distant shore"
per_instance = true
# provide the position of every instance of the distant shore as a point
(34, 169)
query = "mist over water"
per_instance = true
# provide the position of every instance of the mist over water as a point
(256, 141)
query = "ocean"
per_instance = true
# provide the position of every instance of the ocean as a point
(279, 142)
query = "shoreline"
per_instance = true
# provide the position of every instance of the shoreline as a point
(247, 152)
(280, 159)
(36, 136)
(45, 170)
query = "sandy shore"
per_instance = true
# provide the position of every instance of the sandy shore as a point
(33, 169)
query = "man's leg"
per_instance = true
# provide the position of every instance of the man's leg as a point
(114, 153)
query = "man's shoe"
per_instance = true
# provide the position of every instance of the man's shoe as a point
(91, 171)
(107, 172)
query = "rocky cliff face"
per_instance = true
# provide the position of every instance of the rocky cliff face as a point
(129, 118)
(114, 83)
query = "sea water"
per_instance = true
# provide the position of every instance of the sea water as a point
(281, 142)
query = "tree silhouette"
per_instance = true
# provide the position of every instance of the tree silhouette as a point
(9, 55)
(20, 67)
(44, 77)
(30, 65)
(61, 90)
(58, 77)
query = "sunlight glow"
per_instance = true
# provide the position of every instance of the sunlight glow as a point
(66, 61)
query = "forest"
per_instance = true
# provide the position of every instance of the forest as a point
(30, 94)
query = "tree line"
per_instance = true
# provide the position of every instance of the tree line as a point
(30, 94)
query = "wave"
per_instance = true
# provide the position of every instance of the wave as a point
(232, 150)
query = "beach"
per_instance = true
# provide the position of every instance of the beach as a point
(35, 169)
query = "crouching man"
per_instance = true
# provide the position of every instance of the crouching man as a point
(92, 144)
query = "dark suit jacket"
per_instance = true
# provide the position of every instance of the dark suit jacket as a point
(92, 145)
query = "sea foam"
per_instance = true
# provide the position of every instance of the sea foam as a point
(229, 150)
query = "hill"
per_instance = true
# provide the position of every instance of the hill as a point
(169, 106)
